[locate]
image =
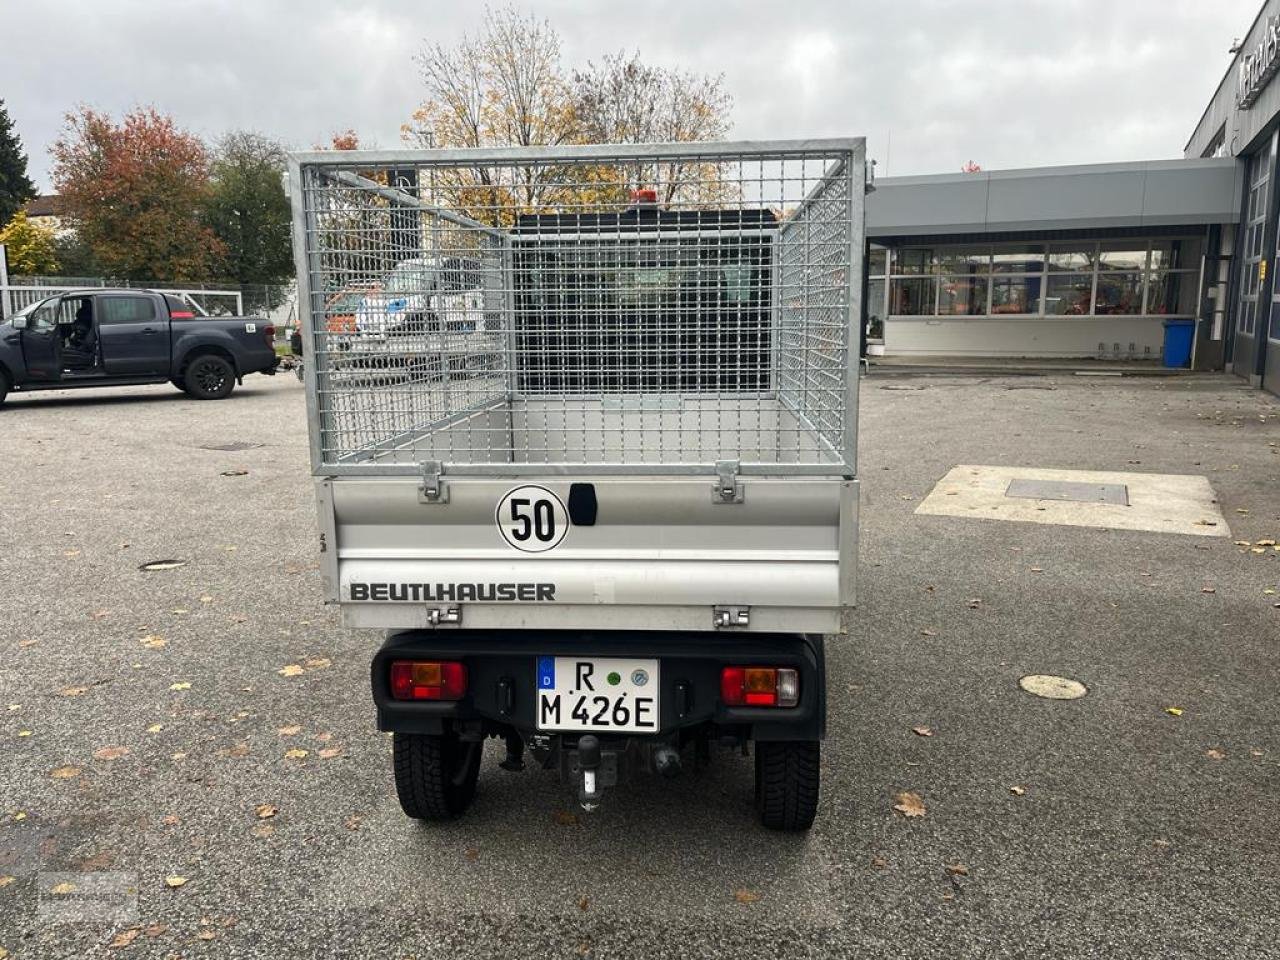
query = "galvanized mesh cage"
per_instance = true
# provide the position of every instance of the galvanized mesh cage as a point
(593, 309)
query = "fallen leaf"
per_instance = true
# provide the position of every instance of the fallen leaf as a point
(4, 954)
(909, 804)
(155, 930)
(62, 889)
(879, 862)
(206, 599)
(1160, 843)
(743, 895)
(263, 830)
(957, 870)
(155, 728)
(100, 614)
(110, 753)
(975, 603)
(1215, 754)
(153, 565)
(99, 861)
(565, 818)
(1257, 549)
(1018, 791)
(1208, 589)
(330, 752)
(352, 822)
(27, 643)
(65, 773)
(1206, 523)
(584, 903)
(1173, 711)
(206, 934)
(1243, 543)
(928, 633)
(5, 881)
(22, 814)
(1255, 752)
(290, 730)
(125, 937)
(472, 854)
(1037, 569)
(174, 882)
(171, 820)
(266, 811)
(24, 733)
(324, 737)
(71, 553)
(291, 670)
(235, 473)
(295, 754)
(922, 731)
(153, 641)
(240, 749)
(73, 691)
(319, 663)
(178, 756)
(181, 685)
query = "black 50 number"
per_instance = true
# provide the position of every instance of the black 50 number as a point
(540, 522)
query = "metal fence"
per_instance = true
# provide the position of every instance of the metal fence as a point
(584, 309)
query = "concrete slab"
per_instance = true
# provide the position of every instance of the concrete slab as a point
(1160, 503)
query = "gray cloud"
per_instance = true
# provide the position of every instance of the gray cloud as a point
(931, 83)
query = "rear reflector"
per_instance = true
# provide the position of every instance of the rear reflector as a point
(428, 680)
(759, 686)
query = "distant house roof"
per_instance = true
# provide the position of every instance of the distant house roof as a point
(44, 206)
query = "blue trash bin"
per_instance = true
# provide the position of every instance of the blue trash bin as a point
(1177, 342)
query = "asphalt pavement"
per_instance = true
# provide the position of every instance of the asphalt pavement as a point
(190, 766)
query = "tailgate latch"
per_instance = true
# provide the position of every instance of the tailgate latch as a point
(727, 488)
(726, 618)
(433, 488)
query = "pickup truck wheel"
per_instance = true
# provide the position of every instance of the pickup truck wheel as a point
(435, 775)
(787, 774)
(209, 377)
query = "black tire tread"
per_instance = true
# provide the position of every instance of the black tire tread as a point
(190, 388)
(788, 776)
(422, 772)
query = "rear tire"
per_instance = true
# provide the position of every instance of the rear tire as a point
(787, 782)
(435, 775)
(209, 377)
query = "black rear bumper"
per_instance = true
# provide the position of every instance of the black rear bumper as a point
(502, 681)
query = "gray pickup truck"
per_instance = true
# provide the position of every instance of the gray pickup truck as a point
(119, 337)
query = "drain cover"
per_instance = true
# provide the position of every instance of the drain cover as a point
(1053, 688)
(1114, 493)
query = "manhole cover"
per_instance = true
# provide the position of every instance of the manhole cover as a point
(1114, 493)
(1053, 688)
(235, 446)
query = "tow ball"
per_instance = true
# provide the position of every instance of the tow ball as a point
(589, 785)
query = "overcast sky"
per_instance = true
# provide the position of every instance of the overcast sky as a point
(930, 83)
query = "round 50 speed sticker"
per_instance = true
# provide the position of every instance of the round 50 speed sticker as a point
(532, 518)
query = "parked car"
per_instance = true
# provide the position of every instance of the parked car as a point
(120, 337)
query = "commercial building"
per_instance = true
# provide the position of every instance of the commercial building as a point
(1095, 261)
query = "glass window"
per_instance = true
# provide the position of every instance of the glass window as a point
(963, 260)
(1068, 294)
(877, 261)
(1180, 253)
(913, 260)
(1066, 256)
(1018, 258)
(1172, 293)
(912, 297)
(126, 310)
(1015, 294)
(1123, 255)
(962, 296)
(875, 309)
(1118, 293)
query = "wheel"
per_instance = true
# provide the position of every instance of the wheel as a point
(435, 775)
(787, 777)
(209, 377)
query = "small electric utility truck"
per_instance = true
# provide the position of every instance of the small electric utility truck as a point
(608, 517)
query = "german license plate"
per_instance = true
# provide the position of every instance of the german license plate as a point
(598, 693)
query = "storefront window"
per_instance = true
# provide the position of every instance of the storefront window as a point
(1123, 255)
(1018, 258)
(1016, 294)
(913, 260)
(875, 308)
(961, 261)
(1172, 293)
(1119, 293)
(913, 297)
(1072, 256)
(1181, 253)
(962, 296)
(877, 260)
(1069, 295)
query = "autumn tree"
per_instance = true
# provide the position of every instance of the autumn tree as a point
(247, 208)
(29, 247)
(16, 187)
(135, 191)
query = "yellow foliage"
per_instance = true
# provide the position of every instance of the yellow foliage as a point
(28, 246)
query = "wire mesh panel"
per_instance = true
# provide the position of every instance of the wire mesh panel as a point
(638, 309)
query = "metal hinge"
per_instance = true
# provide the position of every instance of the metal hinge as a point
(442, 615)
(727, 488)
(433, 488)
(725, 618)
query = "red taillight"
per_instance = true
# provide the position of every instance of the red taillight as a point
(181, 315)
(428, 680)
(644, 195)
(759, 686)
(269, 332)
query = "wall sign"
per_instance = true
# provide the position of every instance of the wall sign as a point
(1259, 65)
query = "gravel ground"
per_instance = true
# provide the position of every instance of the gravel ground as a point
(1138, 833)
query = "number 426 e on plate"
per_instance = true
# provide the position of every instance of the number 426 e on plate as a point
(598, 693)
